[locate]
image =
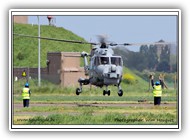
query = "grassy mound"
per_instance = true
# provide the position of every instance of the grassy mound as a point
(25, 50)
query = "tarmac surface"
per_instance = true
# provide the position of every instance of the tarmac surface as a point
(18, 106)
(143, 105)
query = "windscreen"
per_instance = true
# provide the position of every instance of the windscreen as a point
(104, 60)
(116, 61)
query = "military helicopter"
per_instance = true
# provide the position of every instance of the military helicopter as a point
(104, 69)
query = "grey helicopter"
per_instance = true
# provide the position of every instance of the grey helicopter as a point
(104, 68)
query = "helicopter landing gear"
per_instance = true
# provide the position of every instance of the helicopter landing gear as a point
(120, 91)
(106, 91)
(81, 82)
(78, 91)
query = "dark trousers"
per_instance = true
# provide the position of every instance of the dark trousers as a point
(157, 100)
(26, 102)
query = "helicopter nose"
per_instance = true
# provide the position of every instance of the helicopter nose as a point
(113, 68)
(112, 72)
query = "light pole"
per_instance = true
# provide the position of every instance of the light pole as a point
(39, 72)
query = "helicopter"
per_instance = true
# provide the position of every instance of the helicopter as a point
(104, 69)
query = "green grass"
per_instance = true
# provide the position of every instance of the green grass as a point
(50, 93)
(96, 109)
(92, 114)
(25, 50)
(83, 113)
(100, 115)
(91, 99)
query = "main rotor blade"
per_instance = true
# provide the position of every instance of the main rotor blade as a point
(55, 39)
(140, 44)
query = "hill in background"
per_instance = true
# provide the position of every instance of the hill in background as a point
(25, 50)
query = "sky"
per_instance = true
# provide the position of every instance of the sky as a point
(119, 29)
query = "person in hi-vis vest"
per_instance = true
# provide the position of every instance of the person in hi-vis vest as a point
(157, 91)
(26, 95)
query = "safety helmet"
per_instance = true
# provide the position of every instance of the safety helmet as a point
(157, 83)
(26, 85)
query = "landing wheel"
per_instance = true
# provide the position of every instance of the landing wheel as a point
(78, 91)
(108, 92)
(120, 92)
(104, 92)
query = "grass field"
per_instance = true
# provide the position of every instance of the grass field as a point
(101, 115)
(91, 107)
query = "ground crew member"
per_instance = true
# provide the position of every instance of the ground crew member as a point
(157, 92)
(26, 95)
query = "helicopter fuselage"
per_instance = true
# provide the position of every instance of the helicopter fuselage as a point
(105, 69)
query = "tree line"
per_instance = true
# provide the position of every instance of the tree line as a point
(152, 57)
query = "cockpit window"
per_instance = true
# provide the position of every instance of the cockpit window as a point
(116, 61)
(104, 60)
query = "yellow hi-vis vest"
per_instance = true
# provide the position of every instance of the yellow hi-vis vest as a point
(157, 91)
(24, 74)
(25, 93)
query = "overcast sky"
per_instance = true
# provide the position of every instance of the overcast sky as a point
(119, 29)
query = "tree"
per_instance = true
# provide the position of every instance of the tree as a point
(152, 57)
(164, 64)
(165, 54)
(144, 50)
